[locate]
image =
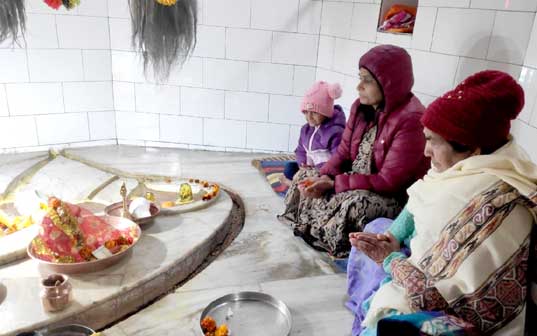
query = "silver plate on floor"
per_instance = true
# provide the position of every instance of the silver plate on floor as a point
(250, 313)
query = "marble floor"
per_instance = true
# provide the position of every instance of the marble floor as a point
(265, 256)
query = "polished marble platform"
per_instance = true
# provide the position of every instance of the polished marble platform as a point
(171, 248)
(265, 256)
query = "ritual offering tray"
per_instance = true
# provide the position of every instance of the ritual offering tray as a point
(180, 196)
(115, 209)
(246, 313)
(73, 240)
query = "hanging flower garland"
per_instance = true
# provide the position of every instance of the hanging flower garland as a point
(56, 4)
(164, 33)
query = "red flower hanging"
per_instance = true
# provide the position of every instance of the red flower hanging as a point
(54, 3)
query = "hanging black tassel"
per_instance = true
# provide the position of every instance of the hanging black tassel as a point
(12, 19)
(165, 35)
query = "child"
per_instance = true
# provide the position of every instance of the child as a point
(321, 135)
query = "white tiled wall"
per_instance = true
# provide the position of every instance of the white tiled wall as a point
(253, 61)
(452, 39)
(526, 128)
(57, 88)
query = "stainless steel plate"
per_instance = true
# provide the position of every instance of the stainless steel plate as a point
(250, 313)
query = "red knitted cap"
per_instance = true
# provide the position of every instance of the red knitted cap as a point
(478, 112)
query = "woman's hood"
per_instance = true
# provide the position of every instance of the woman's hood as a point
(392, 67)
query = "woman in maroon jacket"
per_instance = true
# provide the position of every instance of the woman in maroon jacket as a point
(380, 155)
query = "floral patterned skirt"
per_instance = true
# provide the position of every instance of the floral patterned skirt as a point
(325, 223)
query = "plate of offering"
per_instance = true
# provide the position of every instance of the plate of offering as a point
(246, 313)
(71, 239)
(183, 195)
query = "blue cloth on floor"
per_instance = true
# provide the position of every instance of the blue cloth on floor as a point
(364, 276)
(341, 264)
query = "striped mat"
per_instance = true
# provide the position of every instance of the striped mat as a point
(272, 168)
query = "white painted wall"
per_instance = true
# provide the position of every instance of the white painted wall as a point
(241, 89)
(254, 60)
(57, 89)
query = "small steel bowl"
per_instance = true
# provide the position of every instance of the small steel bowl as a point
(114, 209)
(94, 265)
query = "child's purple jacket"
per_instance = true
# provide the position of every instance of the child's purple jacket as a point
(325, 140)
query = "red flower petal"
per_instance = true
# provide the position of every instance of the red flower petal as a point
(54, 3)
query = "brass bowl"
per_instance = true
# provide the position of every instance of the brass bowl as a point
(94, 265)
(114, 209)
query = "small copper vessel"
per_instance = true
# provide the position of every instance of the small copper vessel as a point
(56, 292)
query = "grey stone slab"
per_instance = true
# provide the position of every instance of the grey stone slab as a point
(173, 245)
(16, 166)
(67, 179)
(265, 255)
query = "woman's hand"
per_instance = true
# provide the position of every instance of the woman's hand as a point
(316, 187)
(377, 246)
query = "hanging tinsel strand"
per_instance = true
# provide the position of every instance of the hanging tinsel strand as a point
(164, 34)
(12, 19)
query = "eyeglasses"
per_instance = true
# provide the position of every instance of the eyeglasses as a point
(366, 80)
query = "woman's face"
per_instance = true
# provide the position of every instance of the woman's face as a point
(368, 89)
(313, 118)
(442, 155)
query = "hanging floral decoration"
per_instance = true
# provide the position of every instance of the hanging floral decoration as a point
(167, 2)
(70, 4)
(56, 4)
(164, 33)
(12, 19)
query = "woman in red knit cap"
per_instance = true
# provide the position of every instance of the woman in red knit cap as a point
(467, 223)
(379, 157)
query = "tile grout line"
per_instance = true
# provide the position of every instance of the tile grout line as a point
(7, 100)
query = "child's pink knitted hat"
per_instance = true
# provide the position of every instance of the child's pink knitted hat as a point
(320, 98)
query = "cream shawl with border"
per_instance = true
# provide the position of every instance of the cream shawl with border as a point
(473, 226)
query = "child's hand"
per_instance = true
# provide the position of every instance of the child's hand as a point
(319, 187)
(305, 183)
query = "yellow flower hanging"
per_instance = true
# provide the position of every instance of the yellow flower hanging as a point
(167, 2)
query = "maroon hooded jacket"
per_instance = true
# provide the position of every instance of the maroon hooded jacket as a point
(398, 159)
